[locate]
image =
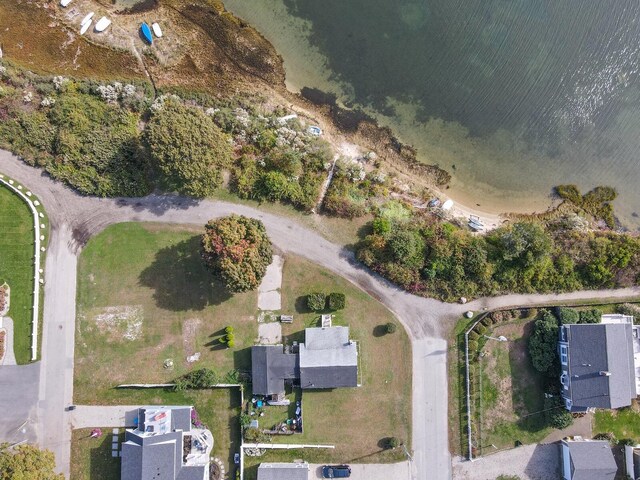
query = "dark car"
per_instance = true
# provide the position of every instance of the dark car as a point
(336, 471)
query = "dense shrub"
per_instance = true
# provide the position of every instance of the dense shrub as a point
(631, 309)
(591, 316)
(202, 378)
(543, 343)
(188, 148)
(597, 202)
(316, 301)
(391, 327)
(556, 414)
(337, 301)
(567, 315)
(237, 249)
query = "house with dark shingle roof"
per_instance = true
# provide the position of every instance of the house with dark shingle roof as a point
(327, 359)
(283, 471)
(271, 366)
(598, 363)
(587, 460)
(164, 446)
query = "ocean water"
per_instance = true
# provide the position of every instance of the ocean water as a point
(511, 97)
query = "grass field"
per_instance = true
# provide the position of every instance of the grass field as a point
(16, 267)
(624, 423)
(144, 296)
(512, 391)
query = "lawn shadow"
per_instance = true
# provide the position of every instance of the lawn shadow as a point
(379, 331)
(102, 465)
(301, 305)
(242, 359)
(181, 280)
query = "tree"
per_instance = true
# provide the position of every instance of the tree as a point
(316, 301)
(390, 327)
(237, 249)
(27, 462)
(337, 301)
(393, 442)
(543, 342)
(523, 243)
(187, 148)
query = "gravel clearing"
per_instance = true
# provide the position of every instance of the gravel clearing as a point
(530, 462)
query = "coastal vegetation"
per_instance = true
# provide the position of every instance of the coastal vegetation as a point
(431, 257)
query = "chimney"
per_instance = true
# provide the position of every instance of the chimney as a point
(605, 373)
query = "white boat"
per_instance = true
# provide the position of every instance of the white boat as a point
(64, 3)
(447, 205)
(102, 24)
(85, 26)
(156, 30)
(88, 17)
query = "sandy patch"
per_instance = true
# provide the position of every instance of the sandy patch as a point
(122, 321)
(189, 334)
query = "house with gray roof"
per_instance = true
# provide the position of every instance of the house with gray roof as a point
(600, 363)
(283, 471)
(165, 446)
(587, 460)
(327, 359)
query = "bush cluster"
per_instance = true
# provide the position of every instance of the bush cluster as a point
(597, 202)
(202, 378)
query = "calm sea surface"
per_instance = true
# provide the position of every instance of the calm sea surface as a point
(512, 97)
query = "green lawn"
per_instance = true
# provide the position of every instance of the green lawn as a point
(624, 423)
(144, 296)
(16, 267)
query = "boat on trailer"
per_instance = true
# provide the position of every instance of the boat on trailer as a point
(146, 33)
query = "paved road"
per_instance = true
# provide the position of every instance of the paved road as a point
(74, 219)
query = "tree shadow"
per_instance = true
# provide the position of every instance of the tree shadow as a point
(379, 331)
(383, 443)
(301, 305)
(181, 280)
(158, 204)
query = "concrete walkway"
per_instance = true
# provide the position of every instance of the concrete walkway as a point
(9, 354)
(91, 416)
(269, 298)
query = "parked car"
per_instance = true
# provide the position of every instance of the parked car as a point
(336, 471)
(236, 458)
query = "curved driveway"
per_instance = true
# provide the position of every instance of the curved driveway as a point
(74, 219)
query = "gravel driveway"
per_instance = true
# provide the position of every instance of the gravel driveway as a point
(530, 462)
